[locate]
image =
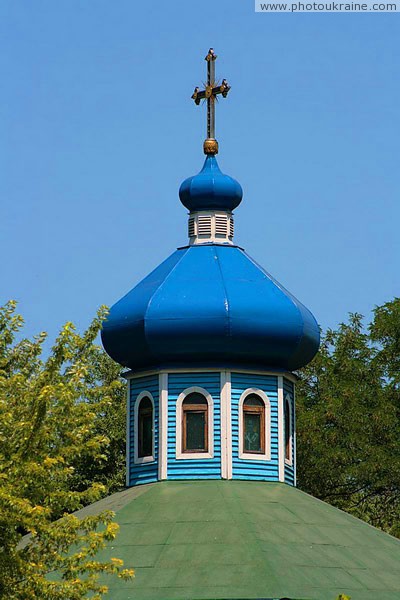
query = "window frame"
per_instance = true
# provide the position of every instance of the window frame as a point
(265, 426)
(181, 452)
(257, 410)
(289, 443)
(194, 408)
(139, 460)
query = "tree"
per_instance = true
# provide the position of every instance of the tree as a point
(348, 423)
(48, 414)
(109, 422)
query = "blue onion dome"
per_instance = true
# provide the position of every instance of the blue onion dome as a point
(210, 189)
(210, 305)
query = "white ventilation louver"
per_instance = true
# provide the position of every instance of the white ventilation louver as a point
(210, 227)
(204, 225)
(191, 227)
(221, 225)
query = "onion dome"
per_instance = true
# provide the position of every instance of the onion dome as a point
(210, 305)
(210, 189)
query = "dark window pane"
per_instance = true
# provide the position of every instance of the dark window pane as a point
(252, 432)
(253, 400)
(145, 403)
(195, 430)
(147, 436)
(195, 398)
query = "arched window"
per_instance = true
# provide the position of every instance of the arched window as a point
(288, 433)
(194, 423)
(253, 425)
(145, 428)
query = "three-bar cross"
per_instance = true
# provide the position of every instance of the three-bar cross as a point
(210, 93)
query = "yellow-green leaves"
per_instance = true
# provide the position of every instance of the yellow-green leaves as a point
(52, 450)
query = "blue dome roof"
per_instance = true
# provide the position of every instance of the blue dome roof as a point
(210, 305)
(210, 189)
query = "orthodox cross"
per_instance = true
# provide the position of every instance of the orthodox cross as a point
(210, 93)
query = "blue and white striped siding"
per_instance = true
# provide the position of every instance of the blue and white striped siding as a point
(209, 468)
(255, 469)
(288, 389)
(146, 472)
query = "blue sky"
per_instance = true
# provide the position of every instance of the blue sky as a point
(98, 130)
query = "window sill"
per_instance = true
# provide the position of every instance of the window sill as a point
(246, 456)
(144, 460)
(194, 455)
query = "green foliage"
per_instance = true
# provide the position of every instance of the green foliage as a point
(348, 425)
(48, 424)
(109, 422)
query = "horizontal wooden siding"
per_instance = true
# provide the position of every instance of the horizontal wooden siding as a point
(147, 472)
(255, 469)
(208, 468)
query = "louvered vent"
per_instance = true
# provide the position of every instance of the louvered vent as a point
(204, 225)
(191, 227)
(221, 225)
(231, 227)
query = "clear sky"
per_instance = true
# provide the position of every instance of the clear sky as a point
(98, 130)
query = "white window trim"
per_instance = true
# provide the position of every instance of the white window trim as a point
(145, 459)
(289, 461)
(128, 435)
(267, 442)
(194, 455)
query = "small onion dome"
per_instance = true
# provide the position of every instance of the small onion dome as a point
(210, 189)
(210, 305)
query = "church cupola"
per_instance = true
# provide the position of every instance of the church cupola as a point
(210, 196)
(210, 340)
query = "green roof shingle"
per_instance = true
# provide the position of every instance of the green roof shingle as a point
(242, 539)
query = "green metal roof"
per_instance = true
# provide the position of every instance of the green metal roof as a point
(242, 539)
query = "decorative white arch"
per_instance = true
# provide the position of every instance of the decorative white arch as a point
(194, 455)
(288, 399)
(145, 459)
(267, 442)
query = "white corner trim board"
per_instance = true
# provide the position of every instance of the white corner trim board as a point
(281, 431)
(194, 455)
(226, 428)
(163, 425)
(267, 430)
(145, 459)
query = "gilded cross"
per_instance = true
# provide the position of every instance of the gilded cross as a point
(210, 93)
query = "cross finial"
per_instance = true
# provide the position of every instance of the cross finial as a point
(210, 93)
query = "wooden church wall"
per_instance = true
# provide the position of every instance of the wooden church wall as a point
(209, 468)
(256, 469)
(148, 472)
